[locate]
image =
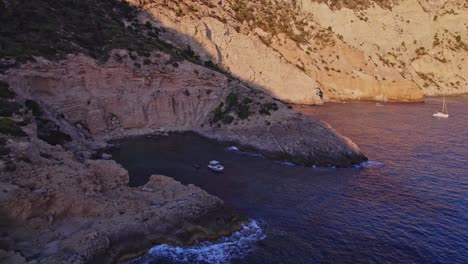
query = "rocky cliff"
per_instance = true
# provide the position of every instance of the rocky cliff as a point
(348, 50)
(117, 99)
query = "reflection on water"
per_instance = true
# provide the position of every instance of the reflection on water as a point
(409, 204)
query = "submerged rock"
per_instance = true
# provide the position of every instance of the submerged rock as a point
(106, 156)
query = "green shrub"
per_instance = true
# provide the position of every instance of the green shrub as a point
(266, 107)
(233, 105)
(218, 113)
(9, 127)
(55, 28)
(8, 108)
(50, 132)
(243, 112)
(5, 91)
(232, 101)
(228, 119)
(34, 107)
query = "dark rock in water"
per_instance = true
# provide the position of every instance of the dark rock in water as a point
(113, 146)
(106, 156)
(97, 145)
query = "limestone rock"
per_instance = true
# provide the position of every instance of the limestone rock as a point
(109, 174)
(348, 50)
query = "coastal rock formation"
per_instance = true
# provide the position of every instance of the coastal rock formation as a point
(345, 49)
(57, 206)
(58, 210)
(118, 99)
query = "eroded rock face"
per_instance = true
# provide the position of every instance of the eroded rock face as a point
(426, 45)
(116, 96)
(245, 56)
(350, 50)
(118, 99)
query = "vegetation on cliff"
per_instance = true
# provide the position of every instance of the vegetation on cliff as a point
(54, 28)
(240, 107)
(15, 113)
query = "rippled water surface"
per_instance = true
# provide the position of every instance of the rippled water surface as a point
(408, 205)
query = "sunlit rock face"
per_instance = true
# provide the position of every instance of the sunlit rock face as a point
(349, 50)
(118, 99)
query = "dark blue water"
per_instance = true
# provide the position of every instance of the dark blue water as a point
(408, 205)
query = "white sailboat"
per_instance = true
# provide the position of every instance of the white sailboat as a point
(444, 113)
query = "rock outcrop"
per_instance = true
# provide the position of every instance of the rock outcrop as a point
(118, 99)
(56, 209)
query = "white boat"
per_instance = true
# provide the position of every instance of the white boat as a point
(215, 165)
(378, 104)
(444, 113)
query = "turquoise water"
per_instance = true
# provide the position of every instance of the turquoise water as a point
(409, 204)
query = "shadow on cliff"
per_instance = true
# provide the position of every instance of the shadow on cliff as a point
(190, 45)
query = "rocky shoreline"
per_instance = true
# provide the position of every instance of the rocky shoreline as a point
(56, 209)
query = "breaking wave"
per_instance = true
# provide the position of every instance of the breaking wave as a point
(232, 148)
(237, 245)
(236, 149)
(367, 164)
(286, 163)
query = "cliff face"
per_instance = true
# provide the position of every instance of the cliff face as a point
(425, 42)
(117, 99)
(364, 50)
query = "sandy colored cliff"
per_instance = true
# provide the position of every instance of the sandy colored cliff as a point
(349, 50)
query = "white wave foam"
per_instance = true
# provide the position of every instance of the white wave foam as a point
(223, 250)
(286, 163)
(367, 164)
(250, 154)
(232, 148)
(236, 149)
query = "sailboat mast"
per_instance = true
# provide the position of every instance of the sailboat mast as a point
(444, 106)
